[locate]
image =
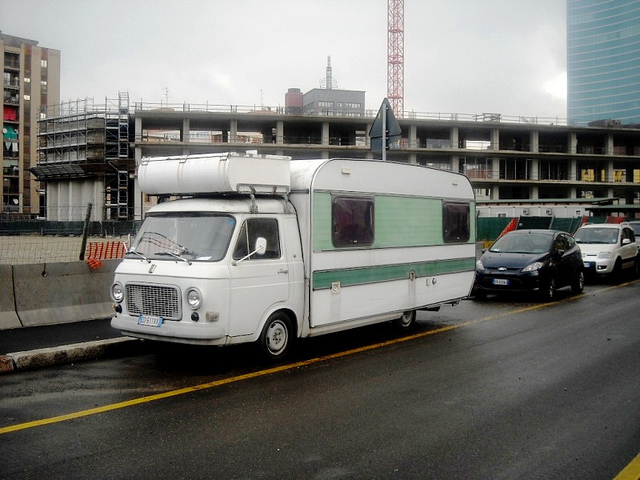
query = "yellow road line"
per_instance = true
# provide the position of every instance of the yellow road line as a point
(269, 371)
(247, 376)
(631, 471)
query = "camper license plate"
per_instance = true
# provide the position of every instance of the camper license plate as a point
(149, 321)
(500, 281)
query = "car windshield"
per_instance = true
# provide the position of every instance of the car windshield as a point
(597, 235)
(184, 236)
(523, 243)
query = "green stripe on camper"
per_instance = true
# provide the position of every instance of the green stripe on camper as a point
(386, 273)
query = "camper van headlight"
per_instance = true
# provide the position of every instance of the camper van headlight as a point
(194, 298)
(117, 292)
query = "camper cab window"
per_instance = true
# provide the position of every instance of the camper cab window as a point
(352, 220)
(184, 236)
(253, 229)
(457, 222)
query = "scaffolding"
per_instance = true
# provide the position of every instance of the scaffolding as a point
(81, 139)
(116, 196)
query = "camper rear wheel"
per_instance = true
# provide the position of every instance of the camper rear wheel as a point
(276, 338)
(407, 320)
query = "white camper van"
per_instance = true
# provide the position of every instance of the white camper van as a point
(267, 249)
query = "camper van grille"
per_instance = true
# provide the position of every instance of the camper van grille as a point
(153, 300)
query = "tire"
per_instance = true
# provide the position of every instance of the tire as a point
(636, 267)
(480, 295)
(617, 269)
(577, 285)
(276, 337)
(407, 321)
(548, 290)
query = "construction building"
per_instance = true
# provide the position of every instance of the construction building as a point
(31, 80)
(508, 159)
(85, 159)
(89, 154)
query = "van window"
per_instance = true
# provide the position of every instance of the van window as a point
(352, 221)
(249, 233)
(457, 222)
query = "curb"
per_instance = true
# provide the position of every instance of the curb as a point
(77, 352)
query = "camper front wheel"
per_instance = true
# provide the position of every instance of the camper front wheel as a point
(275, 340)
(406, 321)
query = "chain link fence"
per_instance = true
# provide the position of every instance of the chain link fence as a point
(25, 249)
(24, 241)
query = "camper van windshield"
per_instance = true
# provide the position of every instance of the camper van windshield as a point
(186, 236)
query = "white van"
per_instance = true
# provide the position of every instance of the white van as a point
(267, 249)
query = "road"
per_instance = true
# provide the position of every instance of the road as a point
(498, 389)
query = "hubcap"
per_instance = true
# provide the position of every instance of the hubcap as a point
(277, 337)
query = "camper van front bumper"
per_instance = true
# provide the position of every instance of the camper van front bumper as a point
(170, 331)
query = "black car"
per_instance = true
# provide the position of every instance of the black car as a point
(530, 260)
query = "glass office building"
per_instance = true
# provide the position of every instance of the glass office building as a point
(603, 61)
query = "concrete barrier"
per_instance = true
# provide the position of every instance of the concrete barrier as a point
(54, 293)
(8, 317)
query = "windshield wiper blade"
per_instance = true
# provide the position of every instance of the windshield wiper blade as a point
(174, 255)
(139, 254)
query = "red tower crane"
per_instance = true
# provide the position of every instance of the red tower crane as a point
(395, 56)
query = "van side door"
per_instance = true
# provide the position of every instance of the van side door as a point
(259, 281)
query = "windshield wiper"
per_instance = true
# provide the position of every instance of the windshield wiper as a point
(175, 255)
(139, 254)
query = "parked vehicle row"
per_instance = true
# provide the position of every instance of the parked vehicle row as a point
(543, 261)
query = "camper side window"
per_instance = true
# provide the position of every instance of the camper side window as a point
(352, 221)
(249, 233)
(457, 222)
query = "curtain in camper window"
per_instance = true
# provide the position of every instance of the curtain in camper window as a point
(457, 222)
(352, 221)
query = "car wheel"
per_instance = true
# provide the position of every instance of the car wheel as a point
(617, 268)
(275, 340)
(636, 267)
(480, 295)
(578, 283)
(406, 321)
(548, 290)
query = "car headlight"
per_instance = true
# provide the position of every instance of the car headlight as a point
(479, 265)
(194, 298)
(604, 255)
(117, 292)
(533, 267)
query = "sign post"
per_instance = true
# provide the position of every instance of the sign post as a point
(385, 132)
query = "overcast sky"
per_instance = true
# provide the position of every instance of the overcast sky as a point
(464, 56)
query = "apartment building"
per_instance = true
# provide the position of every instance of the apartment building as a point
(31, 79)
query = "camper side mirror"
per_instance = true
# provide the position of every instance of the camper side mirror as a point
(260, 249)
